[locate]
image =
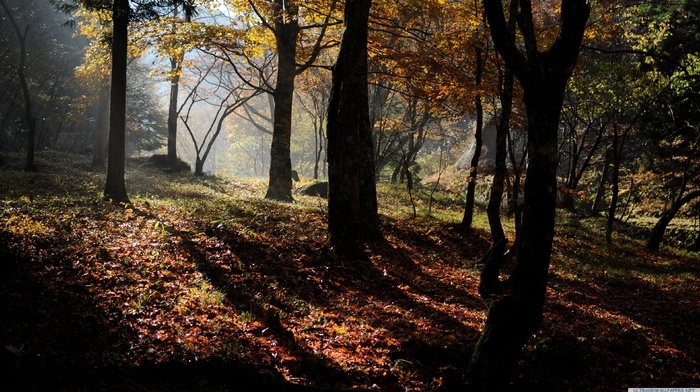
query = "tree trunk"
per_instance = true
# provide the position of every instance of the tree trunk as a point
(615, 185)
(600, 193)
(515, 312)
(493, 209)
(175, 66)
(397, 169)
(657, 233)
(318, 147)
(198, 166)
(515, 316)
(494, 259)
(99, 149)
(31, 121)
(115, 189)
(348, 113)
(478, 141)
(280, 185)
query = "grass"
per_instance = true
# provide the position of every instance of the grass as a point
(204, 279)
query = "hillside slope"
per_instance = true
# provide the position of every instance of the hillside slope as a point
(201, 284)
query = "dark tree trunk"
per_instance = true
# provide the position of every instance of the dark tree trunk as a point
(198, 166)
(514, 200)
(99, 149)
(515, 316)
(615, 185)
(318, 148)
(516, 306)
(348, 114)
(493, 209)
(478, 143)
(115, 189)
(175, 66)
(397, 170)
(31, 121)
(657, 233)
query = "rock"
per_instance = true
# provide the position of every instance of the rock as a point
(318, 189)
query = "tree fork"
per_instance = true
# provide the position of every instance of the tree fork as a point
(515, 312)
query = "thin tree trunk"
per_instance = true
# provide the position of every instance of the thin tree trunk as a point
(198, 166)
(115, 189)
(318, 148)
(494, 259)
(31, 121)
(493, 209)
(657, 233)
(175, 66)
(478, 143)
(99, 149)
(600, 193)
(615, 185)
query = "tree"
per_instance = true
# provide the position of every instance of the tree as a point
(122, 11)
(352, 208)
(515, 306)
(313, 100)
(170, 38)
(671, 126)
(115, 188)
(145, 119)
(31, 121)
(284, 23)
(296, 33)
(496, 255)
(215, 87)
(478, 140)
(176, 61)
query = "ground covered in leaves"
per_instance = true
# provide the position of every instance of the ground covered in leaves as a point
(201, 284)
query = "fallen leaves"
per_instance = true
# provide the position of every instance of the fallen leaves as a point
(189, 275)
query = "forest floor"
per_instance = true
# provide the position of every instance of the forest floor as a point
(201, 284)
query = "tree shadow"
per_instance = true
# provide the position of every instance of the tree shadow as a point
(622, 313)
(387, 289)
(57, 335)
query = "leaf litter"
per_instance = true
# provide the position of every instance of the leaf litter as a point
(210, 280)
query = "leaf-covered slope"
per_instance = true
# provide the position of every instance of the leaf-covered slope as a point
(201, 284)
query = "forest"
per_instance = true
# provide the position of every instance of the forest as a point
(203, 195)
